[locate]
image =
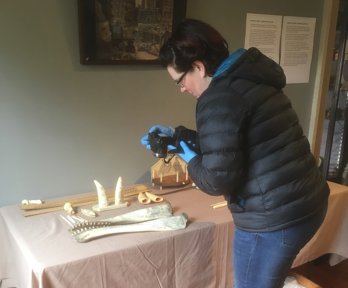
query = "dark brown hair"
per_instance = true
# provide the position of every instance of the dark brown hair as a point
(194, 40)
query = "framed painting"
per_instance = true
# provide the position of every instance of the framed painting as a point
(126, 31)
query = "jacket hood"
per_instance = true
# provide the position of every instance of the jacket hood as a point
(252, 65)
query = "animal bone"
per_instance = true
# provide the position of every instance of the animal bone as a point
(88, 212)
(103, 202)
(141, 215)
(147, 197)
(68, 208)
(119, 192)
(153, 197)
(27, 202)
(91, 230)
(102, 199)
(143, 199)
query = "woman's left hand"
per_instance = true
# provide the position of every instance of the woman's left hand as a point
(188, 154)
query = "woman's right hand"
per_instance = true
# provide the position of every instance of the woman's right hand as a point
(160, 129)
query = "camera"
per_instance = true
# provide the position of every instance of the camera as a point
(159, 142)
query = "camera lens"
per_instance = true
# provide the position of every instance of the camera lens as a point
(158, 144)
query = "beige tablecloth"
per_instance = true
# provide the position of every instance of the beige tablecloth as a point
(38, 251)
(332, 236)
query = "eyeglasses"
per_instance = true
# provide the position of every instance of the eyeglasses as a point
(181, 78)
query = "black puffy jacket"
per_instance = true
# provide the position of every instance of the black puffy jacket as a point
(253, 150)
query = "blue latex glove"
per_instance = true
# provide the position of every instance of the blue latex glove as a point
(188, 154)
(165, 130)
(145, 141)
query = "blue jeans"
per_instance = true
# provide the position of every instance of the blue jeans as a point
(263, 259)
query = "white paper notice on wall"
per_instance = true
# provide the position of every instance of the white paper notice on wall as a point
(288, 40)
(297, 48)
(263, 31)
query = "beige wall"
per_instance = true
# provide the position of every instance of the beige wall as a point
(63, 124)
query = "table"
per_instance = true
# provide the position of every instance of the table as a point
(332, 236)
(38, 251)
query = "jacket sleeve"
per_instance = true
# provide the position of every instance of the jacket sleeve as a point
(220, 167)
(217, 182)
(187, 135)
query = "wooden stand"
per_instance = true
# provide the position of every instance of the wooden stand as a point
(170, 173)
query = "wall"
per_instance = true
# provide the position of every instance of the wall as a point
(63, 124)
(230, 18)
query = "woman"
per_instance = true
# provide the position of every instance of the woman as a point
(250, 148)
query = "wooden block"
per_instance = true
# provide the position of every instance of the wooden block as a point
(304, 281)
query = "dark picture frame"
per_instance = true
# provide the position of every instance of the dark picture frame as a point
(113, 32)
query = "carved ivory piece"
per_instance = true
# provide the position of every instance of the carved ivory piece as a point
(102, 198)
(91, 231)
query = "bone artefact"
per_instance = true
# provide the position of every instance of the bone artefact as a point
(119, 200)
(137, 216)
(41, 207)
(147, 198)
(35, 202)
(143, 199)
(154, 218)
(141, 215)
(68, 208)
(92, 230)
(154, 197)
(102, 198)
(88, 212)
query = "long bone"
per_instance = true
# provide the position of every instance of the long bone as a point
(144, 214)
